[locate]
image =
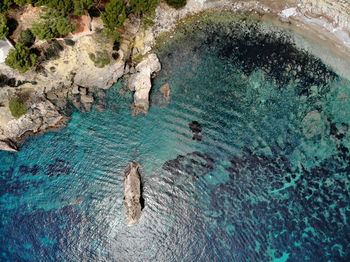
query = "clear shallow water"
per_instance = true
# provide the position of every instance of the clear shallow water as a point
(269, 181)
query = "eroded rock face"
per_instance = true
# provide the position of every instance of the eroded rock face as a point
(140, 82)
(132, 194)
(41, 116)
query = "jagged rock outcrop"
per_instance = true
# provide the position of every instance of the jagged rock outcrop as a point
(140, 82)
(8, 145)
(132, 193)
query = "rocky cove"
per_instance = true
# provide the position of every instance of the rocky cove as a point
(72, 78)
(243, 154)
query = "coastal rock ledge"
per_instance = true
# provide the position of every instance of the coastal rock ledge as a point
(132, 193)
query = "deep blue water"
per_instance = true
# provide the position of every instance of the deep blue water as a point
(268, 181)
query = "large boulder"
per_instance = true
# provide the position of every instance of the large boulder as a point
(132, 194)
(140, 82)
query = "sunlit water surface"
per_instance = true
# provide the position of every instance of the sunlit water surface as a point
(268, 181)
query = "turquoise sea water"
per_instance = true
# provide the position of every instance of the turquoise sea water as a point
(268, 181)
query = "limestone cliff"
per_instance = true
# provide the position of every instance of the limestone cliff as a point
(132, 193)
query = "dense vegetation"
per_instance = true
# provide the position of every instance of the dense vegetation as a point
(141, 7)
(55, 18)
(21, 58)
(55, 21)
(5, 6)
(4, 30)
(18, 107)
(114, 17)
(52, 25)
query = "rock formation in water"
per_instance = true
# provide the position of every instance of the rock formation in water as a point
(313, 124)
(196, 129)
(163, 95)
(140, 82)
(132, 194)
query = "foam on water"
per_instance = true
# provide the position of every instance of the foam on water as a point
(268, 181)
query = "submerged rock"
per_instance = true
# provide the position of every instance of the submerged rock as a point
(313, 124)
(132, 193)
(196, 129)
(163, 95)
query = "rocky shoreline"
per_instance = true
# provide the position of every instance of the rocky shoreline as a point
(72, 78)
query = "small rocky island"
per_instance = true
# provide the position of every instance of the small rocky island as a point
(132, 193)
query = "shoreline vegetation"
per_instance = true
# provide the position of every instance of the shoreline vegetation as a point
(56, 21)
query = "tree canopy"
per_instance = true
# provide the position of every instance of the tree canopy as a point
(21, 58)
(27, 38)
(52, 25)
(4, 6)
(115, 14)
(4, 30)
(141, 7)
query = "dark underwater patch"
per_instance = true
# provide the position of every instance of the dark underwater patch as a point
(193, 165)
(24, 169)
(297, 203)
(58, 168)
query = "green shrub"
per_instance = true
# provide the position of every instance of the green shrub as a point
(27, 38)
(43, 30)
(81, 7)
(21, 58)
(115, 14)
(18, 107)
(61, 8)
(101, 59)
(4, 30)
(23, 2)
(53, 51)
(5, 6)
(69, 42)
(141, 7)
(176, 3)
(64, 26)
